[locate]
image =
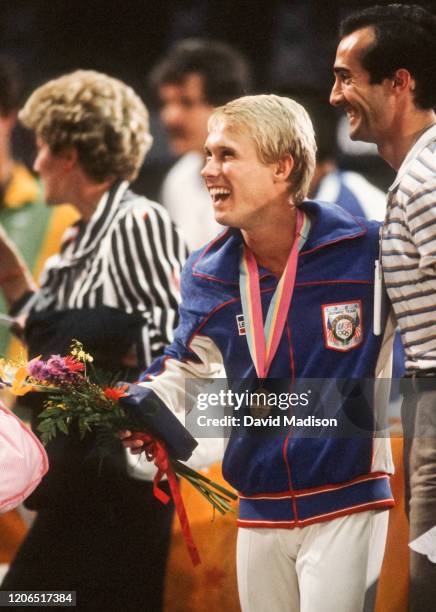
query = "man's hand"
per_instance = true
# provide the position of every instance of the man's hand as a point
(157, 420)
(136, 446)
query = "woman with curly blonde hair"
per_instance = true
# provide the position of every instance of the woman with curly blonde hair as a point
(114, 287)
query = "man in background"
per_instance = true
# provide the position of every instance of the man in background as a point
(385, 79)
(189, 82)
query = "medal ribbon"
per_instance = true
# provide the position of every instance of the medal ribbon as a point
(263, 341)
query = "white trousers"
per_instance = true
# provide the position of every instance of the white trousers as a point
(322, 567)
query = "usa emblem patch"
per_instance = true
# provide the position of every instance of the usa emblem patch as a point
(342, 325)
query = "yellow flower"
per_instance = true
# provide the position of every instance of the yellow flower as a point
(52, 405)
(8, 369)
(78, 352)
(82, 356)
(19, 385)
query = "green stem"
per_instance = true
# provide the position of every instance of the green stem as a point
(184, 469)
(223, 502)
(205, 494)
(46, 389)
(220, 500)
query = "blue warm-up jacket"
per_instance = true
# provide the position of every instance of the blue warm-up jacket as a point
(287, 477)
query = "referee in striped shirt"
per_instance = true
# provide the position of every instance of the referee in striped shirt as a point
(113, 286)
(385, 71)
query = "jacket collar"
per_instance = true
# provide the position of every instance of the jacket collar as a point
(423, 141)
(219, 260)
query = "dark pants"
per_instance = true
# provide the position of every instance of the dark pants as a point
(419, 423)
(112, 552)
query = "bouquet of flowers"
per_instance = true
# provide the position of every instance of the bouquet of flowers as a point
(79, 393)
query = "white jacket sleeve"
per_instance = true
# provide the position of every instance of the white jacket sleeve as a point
(170, 387)
(23, 461)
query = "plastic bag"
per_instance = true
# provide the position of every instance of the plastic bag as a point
(23, 460)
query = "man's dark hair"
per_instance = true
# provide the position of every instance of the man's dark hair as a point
(225, 73)
(10, 86)
(405, 37)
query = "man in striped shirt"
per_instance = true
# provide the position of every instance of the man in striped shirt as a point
(385, 73)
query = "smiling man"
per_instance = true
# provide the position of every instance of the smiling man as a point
(385, 79)
(308, 504)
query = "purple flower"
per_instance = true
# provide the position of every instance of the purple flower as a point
(56, 366)
(37, 369)
(56, 370)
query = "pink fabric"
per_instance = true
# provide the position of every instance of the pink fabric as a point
(23, 460)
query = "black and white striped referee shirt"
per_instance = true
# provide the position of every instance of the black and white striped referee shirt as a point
(409, 252)
(127, 256)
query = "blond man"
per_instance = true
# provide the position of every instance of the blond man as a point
(309, 497)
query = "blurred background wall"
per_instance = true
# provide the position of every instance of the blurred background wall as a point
(290, 43)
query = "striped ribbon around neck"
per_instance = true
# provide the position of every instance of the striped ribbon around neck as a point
(264, 341)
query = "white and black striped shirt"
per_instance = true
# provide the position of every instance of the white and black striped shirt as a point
(409, 252)
(127, 256)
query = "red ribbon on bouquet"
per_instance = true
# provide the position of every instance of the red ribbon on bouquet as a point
(155, 451)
